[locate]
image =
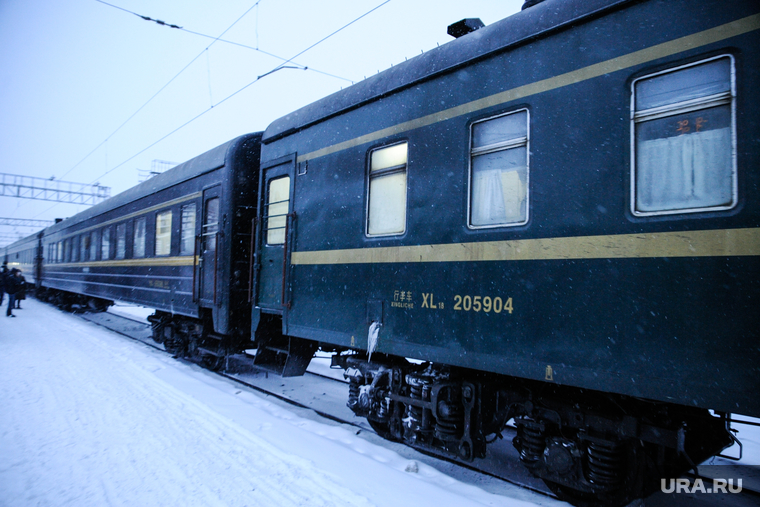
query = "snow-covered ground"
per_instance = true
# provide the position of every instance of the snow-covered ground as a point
(90, 418)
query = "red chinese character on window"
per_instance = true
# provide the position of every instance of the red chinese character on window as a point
(683, 127)
(700, 123)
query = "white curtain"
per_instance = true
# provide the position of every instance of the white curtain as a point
(684, 172)
(497, 197)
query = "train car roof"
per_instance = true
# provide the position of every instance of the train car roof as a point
(519, 28)
(209, 161)
(21, 242)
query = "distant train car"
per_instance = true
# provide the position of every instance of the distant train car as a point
(559, 213)
(178, 242)
(24, 254)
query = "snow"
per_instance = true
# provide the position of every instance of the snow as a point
(93, 418)
(138, 313)
(89, 417)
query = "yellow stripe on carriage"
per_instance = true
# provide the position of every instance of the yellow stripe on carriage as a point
(184, 260)
(714, 243)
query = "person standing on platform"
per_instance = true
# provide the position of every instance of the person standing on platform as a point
(21, 292)
(11, 287)
(3, 276)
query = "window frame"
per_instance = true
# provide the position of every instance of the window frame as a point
(183, 229)
(120, 227)
(502, 146)
(688, 105)
(143, 253)
(106, 231)
(75, 241)
(165, 236)
(384, 172)
(94, 245)
(269, 218)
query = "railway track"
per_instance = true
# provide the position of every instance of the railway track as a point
(323, 392)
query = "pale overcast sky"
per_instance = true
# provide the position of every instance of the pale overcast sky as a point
(73, 72)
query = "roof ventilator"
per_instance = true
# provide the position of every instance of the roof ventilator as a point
(464, 27)
(530, 3)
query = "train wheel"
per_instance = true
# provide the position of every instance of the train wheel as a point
(631, 487)
(175, 346)
(382, 428)
(213, 363)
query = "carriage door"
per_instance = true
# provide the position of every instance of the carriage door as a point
(273, 237)
(208, 263)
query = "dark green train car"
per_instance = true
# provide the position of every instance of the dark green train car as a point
(558, 213)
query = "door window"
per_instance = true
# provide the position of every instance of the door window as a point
(278, 206)
(211, 224)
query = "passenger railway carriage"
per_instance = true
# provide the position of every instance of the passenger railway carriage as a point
(179, 243)
(557, 213)
(24, 255)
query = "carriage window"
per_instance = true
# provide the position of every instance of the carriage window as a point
(93, 245)
(60, 251)
(682, 124)
(105, 244)
(278, 206)
(85, 247)
(187, 230)
(75, 249)
(386, 206)
(499, 171)
(121, 241)
(138, 245)
(164, 233)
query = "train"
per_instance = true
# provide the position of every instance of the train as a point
(551, 221)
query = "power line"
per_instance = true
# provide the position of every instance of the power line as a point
(160, 90)
(146, 18)
(218, 39)
(279, 67)
(214, 40)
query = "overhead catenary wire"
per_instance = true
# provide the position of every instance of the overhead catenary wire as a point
(214, 40)
(277, 68)
(219, 39)
(283, 65)
(160, 89)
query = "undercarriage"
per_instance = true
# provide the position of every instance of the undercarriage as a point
(185, 337)
(590, 448)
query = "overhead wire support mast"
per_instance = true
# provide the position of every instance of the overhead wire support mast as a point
(29, 187)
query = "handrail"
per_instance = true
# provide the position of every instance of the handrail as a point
(195, 258)
(250, 260)
(286, 304)
(216, 262)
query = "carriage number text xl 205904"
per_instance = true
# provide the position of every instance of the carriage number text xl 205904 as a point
(485, 304)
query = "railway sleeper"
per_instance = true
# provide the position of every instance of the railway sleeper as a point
(589, 448)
